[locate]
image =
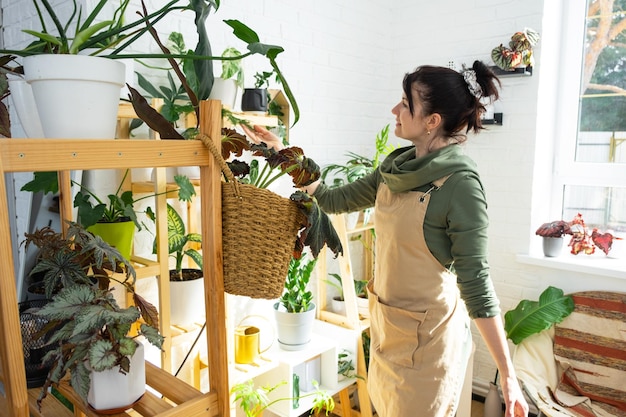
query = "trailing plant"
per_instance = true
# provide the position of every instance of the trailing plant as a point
(296, 297)
(253, 401)
(266, 167)
(530, 317)
(87, 329)
(177, 240)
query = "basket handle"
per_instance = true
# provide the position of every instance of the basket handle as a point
(208, 142)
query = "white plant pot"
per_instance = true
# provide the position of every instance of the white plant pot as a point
(225, 91)
(363, 306)
(552, 246)
(338, 306)
(77, 96)
(112, 390)
(294, 329)
(187, 302)
(25, 106)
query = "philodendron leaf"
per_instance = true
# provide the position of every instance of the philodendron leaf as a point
(530, 317)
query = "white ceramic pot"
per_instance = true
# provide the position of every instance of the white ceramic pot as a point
(112, 390)
(77, 96)
(25, 106)
(187, 302)
(225, 91)
(363, 306)
(552, 246)
(294, 329)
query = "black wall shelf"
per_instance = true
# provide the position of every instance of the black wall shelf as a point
(515, 72)
(497, 120)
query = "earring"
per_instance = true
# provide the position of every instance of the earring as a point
(428, 133)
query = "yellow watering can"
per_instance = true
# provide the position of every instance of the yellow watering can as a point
(248, 341)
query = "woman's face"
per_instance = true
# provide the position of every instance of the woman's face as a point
(409, 126)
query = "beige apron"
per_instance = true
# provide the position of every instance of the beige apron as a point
(420, 338)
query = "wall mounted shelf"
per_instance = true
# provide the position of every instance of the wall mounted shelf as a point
(497, 120)
(515, 72)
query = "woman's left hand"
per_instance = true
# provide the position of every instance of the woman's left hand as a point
(516, 405)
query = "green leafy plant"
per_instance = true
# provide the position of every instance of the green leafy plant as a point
(296, 297)
(519, 51)
(178, 240)
(232, 68)
(530, 317)
(253, 401)
(110, 34)
(87, 328)
(360, 286)
(120, 206)
(358, 166)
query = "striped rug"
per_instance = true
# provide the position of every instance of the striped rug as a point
(590, 345)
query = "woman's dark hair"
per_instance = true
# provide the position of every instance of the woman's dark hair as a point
(445, 91)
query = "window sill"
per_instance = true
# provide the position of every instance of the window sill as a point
(588, 264)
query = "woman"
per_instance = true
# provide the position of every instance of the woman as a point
(431, 249)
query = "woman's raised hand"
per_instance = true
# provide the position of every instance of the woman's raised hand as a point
(261, 134)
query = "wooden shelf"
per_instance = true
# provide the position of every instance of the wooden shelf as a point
(65, 155)
(173, 393)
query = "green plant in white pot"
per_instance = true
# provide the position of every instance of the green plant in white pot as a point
(295, 310)
(89, 333)
(186, 284)
(227, 85)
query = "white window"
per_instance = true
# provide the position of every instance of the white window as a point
(591, 157)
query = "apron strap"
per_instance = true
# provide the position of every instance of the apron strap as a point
(435, 185)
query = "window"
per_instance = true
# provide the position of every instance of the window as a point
(591, 161)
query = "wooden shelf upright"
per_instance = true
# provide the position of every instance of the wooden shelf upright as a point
(351, 319)
(64, 155)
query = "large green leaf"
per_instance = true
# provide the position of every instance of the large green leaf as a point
(530, 317)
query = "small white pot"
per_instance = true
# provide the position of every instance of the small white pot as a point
(552, 246)
(187, 302)
(363, 306)
(294, 329)
(112, 390)
(225, 91)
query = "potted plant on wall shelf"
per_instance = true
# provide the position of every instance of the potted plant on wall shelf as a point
(295, 310)
(186, 284)
(90, 334)
(360, 289)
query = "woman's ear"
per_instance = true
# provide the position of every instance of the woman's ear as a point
(433, 122)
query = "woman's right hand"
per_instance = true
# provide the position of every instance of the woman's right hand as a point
(261, 134)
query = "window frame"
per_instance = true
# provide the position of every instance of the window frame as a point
(566, 170)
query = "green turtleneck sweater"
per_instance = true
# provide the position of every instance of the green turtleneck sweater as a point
(455, 227)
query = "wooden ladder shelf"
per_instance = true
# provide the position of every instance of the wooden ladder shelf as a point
(64, 155)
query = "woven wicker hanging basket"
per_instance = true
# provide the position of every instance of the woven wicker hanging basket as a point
(259, 230)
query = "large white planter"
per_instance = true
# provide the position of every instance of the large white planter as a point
(111, 390)
(77, 96)
(294, 329)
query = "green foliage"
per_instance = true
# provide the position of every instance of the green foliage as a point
(90, 33)
(119, 207)
(359, 166)
(231, 66)
(254, 401)
(178, 238)
(530, 317)
(85, 323)
(296, 297)
(360, 286)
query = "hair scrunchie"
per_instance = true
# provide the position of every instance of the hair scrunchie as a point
(474, 88)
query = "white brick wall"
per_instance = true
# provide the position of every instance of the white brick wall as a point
(345, 60)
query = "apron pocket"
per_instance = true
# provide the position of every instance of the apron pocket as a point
(395, 332)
